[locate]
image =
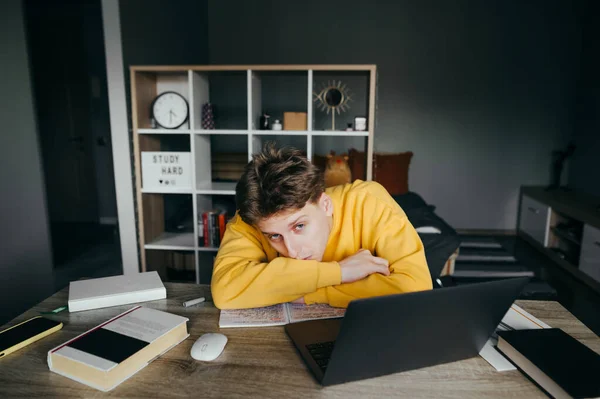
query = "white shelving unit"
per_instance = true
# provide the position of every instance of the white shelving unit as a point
(154, 190)
(172, 241)
(248, 88)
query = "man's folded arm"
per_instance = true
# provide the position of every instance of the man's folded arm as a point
(400, 244)
(243, 278)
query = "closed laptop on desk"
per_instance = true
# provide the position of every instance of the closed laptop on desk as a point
(393, 333)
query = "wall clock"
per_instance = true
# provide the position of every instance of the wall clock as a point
(170, 110)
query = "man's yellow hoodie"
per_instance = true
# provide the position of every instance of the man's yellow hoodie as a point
(249, 273)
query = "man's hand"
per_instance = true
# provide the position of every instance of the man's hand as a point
(361, 265)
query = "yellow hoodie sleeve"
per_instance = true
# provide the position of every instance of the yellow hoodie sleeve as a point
(396, 240)
(243, 277)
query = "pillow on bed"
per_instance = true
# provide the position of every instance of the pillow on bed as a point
(389, 169)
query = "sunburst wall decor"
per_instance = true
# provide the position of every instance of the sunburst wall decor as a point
(333, 96)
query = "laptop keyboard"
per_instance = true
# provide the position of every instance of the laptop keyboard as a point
(321, 353)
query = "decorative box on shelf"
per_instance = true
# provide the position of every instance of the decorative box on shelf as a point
(166, 170)
(294, 121)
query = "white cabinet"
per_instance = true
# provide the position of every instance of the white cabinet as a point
(589, 261)
(535, 219)
(565, 226)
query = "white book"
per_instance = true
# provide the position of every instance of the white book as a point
(277, 315)
(113, 291)
(516, 318)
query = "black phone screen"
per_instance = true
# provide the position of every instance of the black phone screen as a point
(25, 331)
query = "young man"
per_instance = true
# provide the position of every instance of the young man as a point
(293, 241)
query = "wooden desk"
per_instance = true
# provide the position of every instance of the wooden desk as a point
(257, 362)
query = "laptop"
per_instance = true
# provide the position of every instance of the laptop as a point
(389, 334)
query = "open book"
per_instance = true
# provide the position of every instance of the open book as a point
(277, 315)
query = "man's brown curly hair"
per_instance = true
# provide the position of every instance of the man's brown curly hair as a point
(277, 180)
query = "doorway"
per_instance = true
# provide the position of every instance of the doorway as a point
(68, 68)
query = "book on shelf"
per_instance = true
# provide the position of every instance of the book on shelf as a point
(211, 227)
(116, 290)
(222, 225)
(557, 362)
(277, 315)
(112, 352)
(228, 166)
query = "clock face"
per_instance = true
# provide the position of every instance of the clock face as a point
(170, 110)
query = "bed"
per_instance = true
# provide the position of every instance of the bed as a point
(440, 240)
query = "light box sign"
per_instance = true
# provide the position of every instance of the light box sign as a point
(166, 170)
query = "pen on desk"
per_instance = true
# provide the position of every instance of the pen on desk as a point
(193, 302)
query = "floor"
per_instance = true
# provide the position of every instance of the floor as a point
(579, 298)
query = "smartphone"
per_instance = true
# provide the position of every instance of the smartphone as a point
(21, 335)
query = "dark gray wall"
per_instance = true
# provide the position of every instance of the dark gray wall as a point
(584, 168)
(99, 113)
(481, 92)
(160, 32)
(25, 260)
(49, 22)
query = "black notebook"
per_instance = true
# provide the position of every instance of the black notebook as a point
(560, 364)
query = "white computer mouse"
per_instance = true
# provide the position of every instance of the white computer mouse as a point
(208, 347)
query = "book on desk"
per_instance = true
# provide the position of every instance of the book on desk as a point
(557, 362)
(110, 353)
(116, 290)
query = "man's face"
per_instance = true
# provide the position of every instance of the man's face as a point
(301, 234)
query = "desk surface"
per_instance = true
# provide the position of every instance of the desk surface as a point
(257, 362)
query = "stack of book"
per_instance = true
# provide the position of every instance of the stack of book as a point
(211, 227)
(228, 166)
(561, 365)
